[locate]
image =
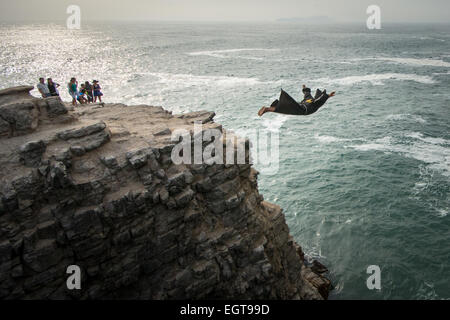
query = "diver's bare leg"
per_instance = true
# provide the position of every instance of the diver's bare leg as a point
(265, 109)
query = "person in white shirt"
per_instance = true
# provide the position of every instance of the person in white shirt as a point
(43, 88)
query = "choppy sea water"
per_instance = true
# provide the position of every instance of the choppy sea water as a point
(364, 181)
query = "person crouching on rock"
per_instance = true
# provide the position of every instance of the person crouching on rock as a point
(52, 87)
(81, 95)
(97, 91)
(73, 90)
(43, 88)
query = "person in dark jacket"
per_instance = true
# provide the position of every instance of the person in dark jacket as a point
(52, 87)
(287, 105)
(89, 92)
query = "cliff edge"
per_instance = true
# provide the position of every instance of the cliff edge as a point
(96, 187)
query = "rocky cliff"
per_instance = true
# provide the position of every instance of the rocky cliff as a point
(95, 187)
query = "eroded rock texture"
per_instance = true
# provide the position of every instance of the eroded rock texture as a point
(96, 187)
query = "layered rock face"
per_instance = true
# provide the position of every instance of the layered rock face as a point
(96, 187)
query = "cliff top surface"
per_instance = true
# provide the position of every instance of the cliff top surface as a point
(131, 127)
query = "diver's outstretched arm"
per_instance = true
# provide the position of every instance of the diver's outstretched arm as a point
(322, 99)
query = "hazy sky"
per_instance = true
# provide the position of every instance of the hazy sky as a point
(226, 10)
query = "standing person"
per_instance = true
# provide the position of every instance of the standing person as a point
(43, 89)
(89, 93)
(97, 91)
(73, 90)
(52, 87)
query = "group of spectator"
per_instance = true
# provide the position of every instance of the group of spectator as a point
(87, 93)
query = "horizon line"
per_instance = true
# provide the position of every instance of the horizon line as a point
(277, 20)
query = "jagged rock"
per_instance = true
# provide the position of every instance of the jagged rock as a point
(47, 230)
(55, 107)
(5, 251)
(232, 202)
(21, 113)
(13, 94)
(21, 116)
(163, 132)
(204, 185)
(184, 198)
(146, 176)
(5, 127)
(138, 158)
(31, 153)
(322, 284)
(163, 195)
(82, 132)
(110, 161)
(58, 176)
(199, 116)
(64, 156)
(95, 140)
(138, 225)
(176, 183)
(42, 255)
(318, 268)
(77, 150)
(161, 174)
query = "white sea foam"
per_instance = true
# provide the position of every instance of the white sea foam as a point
(431, 140)
(442, 212)
(418, 62)
(189, 80)
(224, 54)
(329, 139)
(420, 186)
(428, 150)
(441, 73)
(424, 187)
(406, 116)
(274, 123)
(378, 79)
(409, 61)
(431, 38)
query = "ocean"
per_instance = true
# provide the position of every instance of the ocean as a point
(364, 181)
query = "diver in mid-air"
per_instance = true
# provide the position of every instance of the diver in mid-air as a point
(287, 105)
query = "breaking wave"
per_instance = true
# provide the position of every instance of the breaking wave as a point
(432, 151)
(225, 54)
(378, 79)
(406, 116)
(410, 61)
(189, 80)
